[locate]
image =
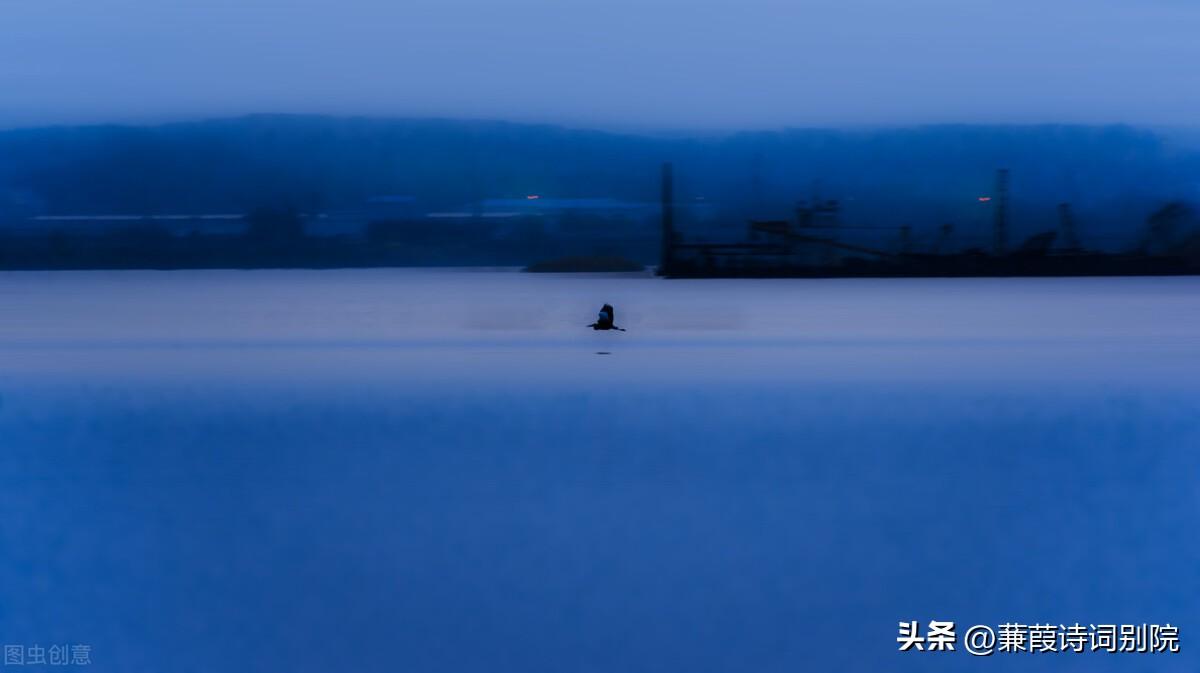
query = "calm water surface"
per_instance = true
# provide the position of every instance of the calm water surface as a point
(433, 470)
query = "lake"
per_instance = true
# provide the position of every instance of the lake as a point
(445, 470)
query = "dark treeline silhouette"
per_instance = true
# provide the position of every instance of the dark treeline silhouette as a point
(282, 171)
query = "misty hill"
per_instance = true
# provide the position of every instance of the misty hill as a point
(925, 176)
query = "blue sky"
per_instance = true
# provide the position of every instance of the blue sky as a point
(654, 64)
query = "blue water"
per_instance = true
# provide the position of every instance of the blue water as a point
(313, 471)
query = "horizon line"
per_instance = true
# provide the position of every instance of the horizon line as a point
(609, 129)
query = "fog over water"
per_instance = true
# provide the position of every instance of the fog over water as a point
(434, 470)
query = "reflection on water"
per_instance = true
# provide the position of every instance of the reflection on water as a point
(433, 470)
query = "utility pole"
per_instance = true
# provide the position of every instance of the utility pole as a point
(668, 219)
(1000, 215)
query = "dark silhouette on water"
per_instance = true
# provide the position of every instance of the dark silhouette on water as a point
(606, 318)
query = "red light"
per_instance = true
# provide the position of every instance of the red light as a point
(533, 196)
(984, 199)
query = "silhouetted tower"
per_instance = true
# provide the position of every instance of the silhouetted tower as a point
(1000, 215)
(1066, 225)
(668, 218)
